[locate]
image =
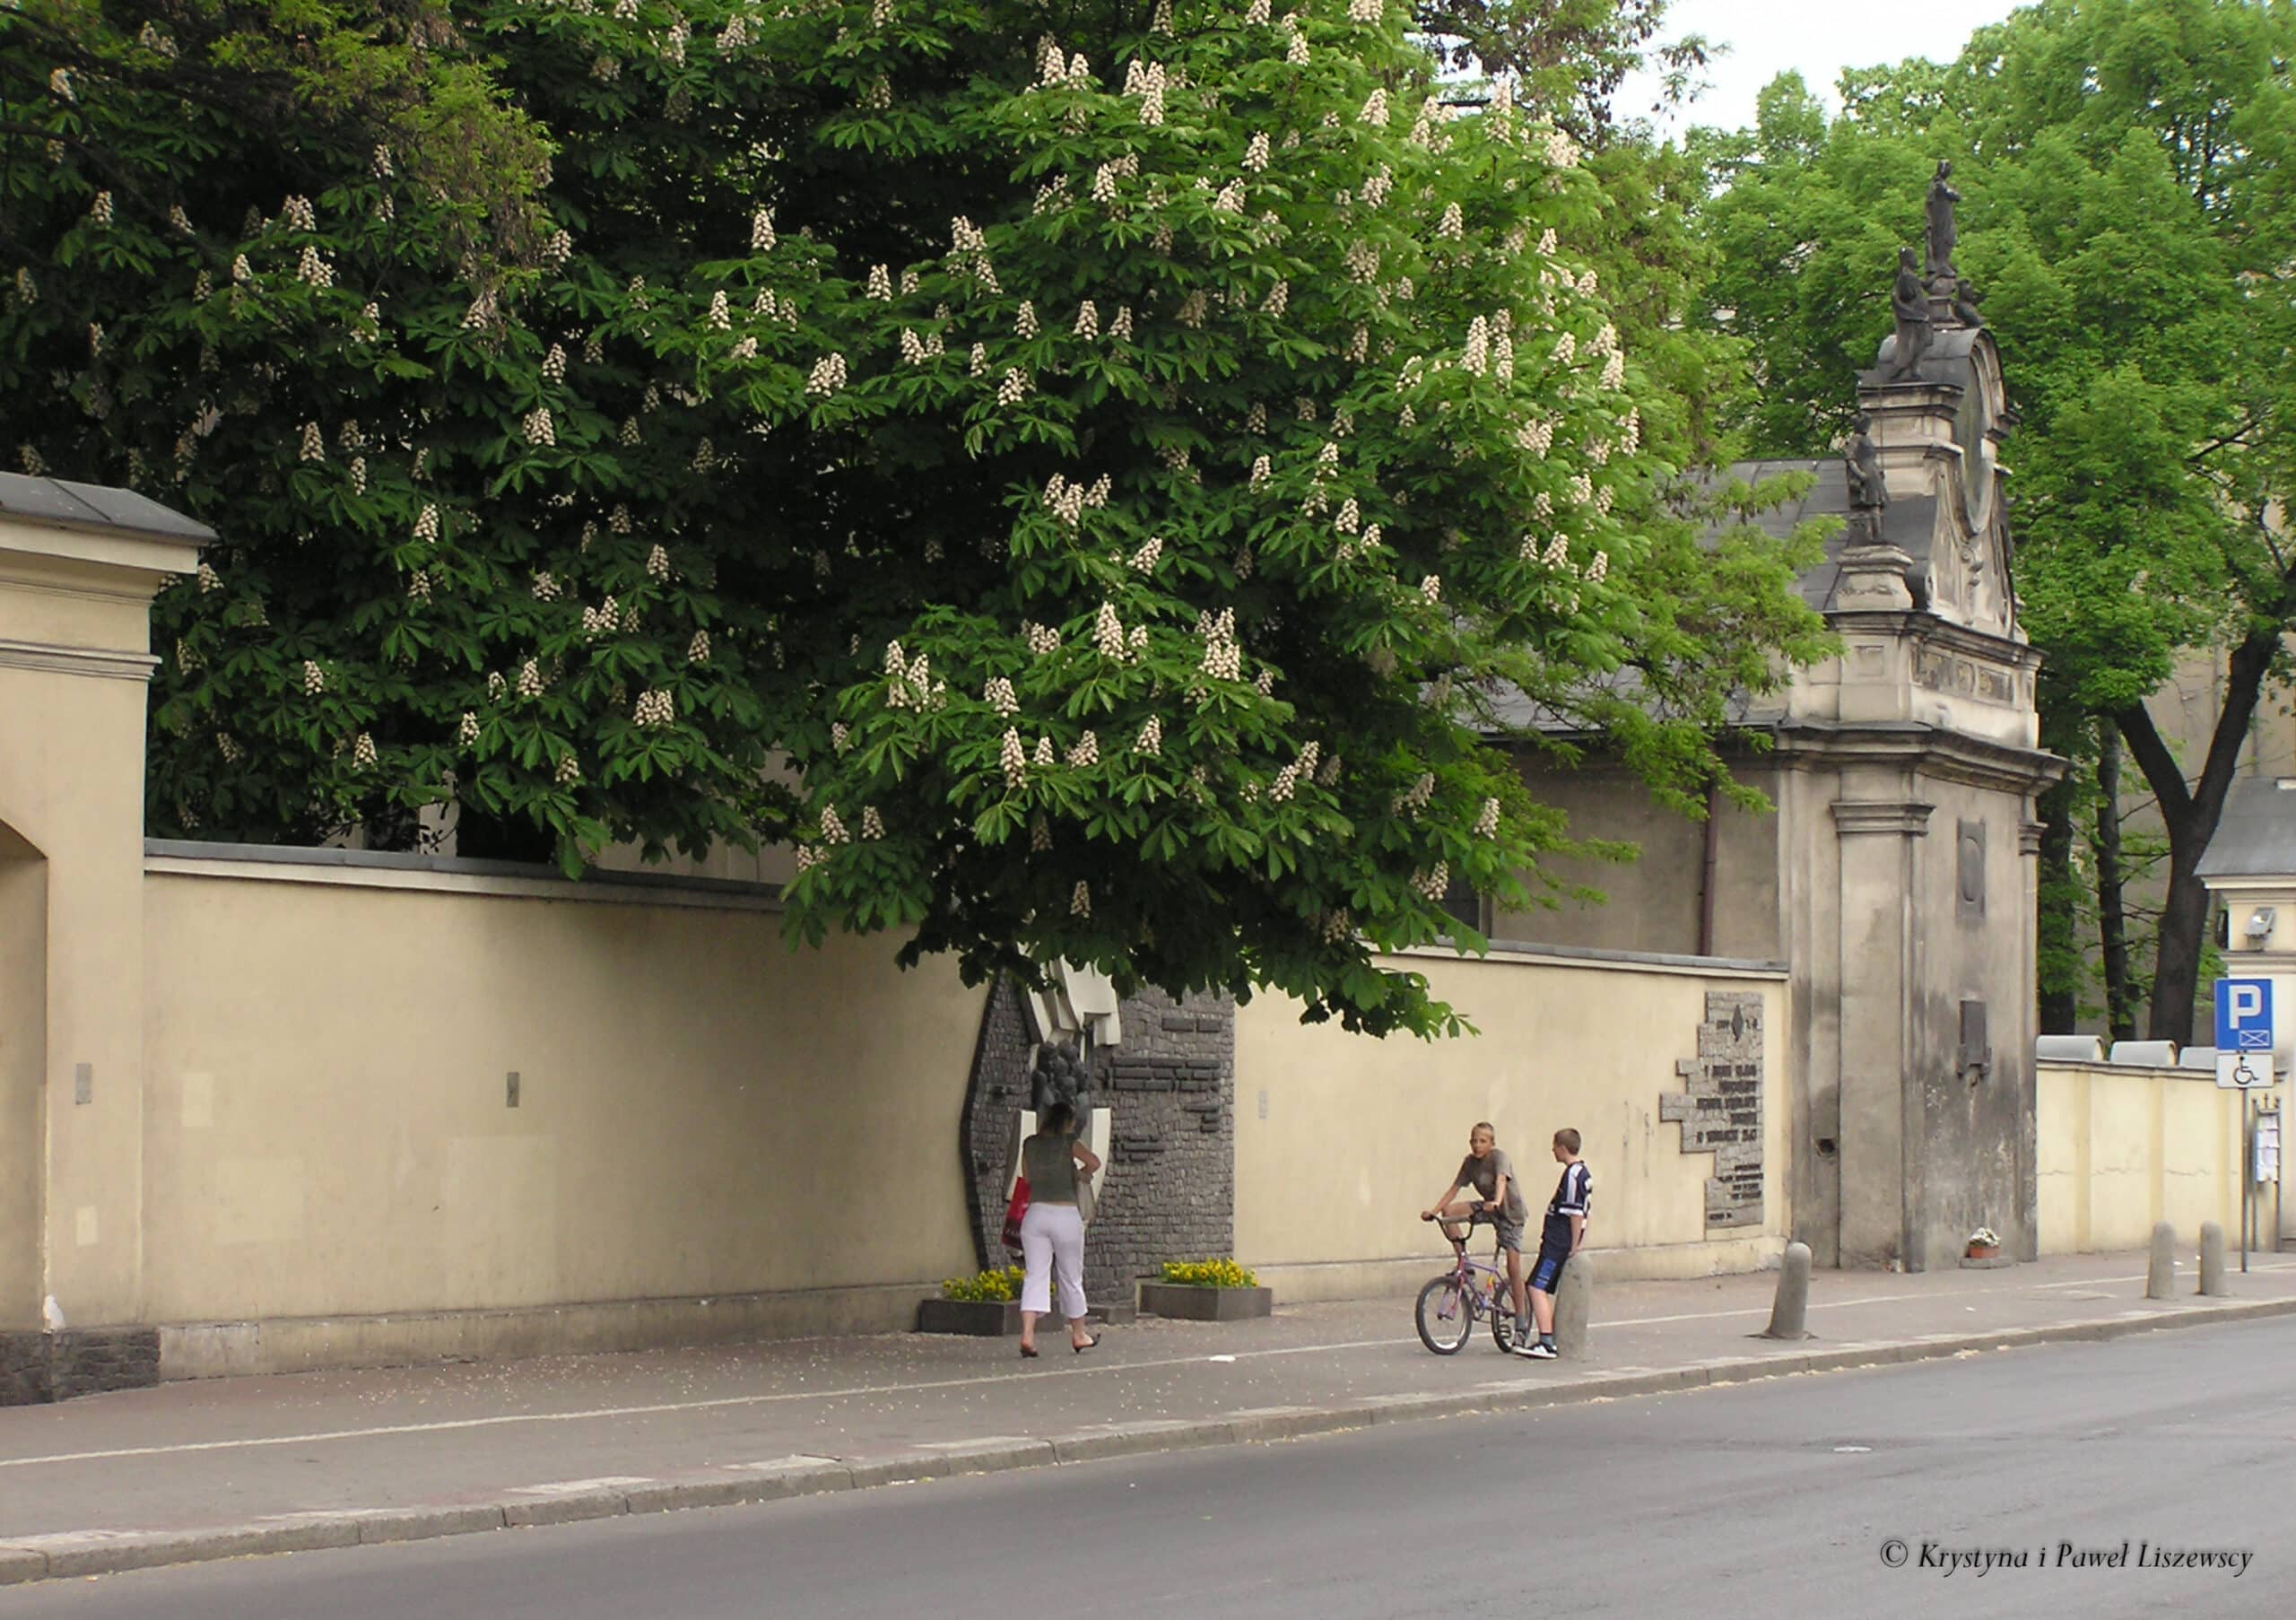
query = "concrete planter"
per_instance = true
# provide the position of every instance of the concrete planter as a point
(1194, 1304)
(980, 1319)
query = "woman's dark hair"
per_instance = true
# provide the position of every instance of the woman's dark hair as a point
(1059, 1119)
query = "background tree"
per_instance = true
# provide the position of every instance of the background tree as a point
(1087, 493)
(2126, 206)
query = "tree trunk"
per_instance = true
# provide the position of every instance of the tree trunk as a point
(2112, 915)
(2059, 955)
(2191, 812)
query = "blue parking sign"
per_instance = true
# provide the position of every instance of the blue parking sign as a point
(2244, 1014)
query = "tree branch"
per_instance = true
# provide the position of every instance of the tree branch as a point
(2162, 771)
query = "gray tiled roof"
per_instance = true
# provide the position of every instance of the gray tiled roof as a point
(2257, 836)
(94, 506)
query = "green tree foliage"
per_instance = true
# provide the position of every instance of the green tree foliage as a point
(1090, 490)
(2126, 219)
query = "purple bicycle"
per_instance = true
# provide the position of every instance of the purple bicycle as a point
(1451, 1304)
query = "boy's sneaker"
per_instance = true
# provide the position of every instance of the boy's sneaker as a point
(1537, 1351)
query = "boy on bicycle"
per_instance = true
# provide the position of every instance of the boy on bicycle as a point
(1497, 1202)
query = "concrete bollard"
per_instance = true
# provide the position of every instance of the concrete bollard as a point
(1789, 1313)
(2212, 1259)
(1574, 1304)
(2161, 1275)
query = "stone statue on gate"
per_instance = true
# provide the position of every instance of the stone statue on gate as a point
(1869, 494)
(1943, 235)
(1965, 309)
(1909, 307)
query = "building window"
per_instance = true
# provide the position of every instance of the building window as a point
(1462, 902)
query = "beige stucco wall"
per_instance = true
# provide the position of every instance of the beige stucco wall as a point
(701, 1112)
(1357, 1136)
(2121, 1147)
(1651, 902)
(74, 638)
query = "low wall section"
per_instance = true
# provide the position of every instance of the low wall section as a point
(713, 1135)
(1342, 1140)
(2121, 1147)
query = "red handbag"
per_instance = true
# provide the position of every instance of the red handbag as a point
(1014, 1211)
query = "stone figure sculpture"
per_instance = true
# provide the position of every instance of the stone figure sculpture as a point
(1965, 309)
(1909, 306)
(1862, 459)
(1943, 236)
(1060, 1077)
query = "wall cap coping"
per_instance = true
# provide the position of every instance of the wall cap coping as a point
(450, 875)
(2134, 1071)
(1530, 953)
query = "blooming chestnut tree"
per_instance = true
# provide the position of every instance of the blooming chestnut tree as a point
(1091, 481)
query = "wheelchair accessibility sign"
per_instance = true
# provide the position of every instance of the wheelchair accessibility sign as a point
(2244, 1034)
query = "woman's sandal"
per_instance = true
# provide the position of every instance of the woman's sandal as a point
(1029, 1352)
(1080, 1349)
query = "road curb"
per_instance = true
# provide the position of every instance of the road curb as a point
(31, 1558)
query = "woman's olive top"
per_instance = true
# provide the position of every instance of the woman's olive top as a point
(1050, 1162)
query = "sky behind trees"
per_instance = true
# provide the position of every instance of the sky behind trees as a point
(1816, 38)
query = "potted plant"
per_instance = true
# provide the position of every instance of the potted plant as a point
(985, 1305)
(1207, 1291)
(1984, 1244)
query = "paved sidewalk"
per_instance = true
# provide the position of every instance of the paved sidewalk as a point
(215, 1468)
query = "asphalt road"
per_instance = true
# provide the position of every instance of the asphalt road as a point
(1784, 1497)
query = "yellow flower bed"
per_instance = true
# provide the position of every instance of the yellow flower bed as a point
(990, 1286)
(1209, 1273)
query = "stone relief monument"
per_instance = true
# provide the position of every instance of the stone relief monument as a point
(1158, 1077)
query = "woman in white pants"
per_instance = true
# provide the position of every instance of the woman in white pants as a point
(1052, 1233)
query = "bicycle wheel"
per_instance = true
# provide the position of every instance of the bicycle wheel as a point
(1445, 1316)
(1502, 1325)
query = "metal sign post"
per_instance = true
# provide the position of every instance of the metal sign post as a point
(2244, 1062)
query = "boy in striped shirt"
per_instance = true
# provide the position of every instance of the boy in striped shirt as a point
(1563, 1236)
